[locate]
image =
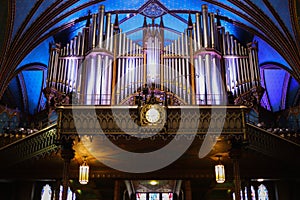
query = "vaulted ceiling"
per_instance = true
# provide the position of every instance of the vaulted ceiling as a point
(28, 26)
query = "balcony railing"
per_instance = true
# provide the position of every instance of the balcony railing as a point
(270, 144)
(35, 145)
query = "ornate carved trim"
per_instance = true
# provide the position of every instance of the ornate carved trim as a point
(268, 143)
(37, 145)
(118, 120)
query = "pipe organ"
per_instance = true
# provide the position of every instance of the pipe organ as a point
(102, 65)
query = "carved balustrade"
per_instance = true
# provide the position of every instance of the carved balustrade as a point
(38, 144)
(271, 144)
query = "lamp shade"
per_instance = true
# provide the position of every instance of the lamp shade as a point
(220, 173)
(84, 173)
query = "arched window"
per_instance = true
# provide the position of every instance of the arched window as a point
(167, 196)
(233, 195)
(141, 196)
(153, 196)
(46, 193)
(263, 193)
(246, 194)
(253, 193)
(71, 195)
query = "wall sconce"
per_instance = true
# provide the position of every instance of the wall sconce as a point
(84, 172)
(220, 172)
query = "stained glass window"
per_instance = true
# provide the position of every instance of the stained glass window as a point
(167, 196)
(233, 195)
(153, 196)
(246, 194)
(46, 193)
(141, 196)
(71, 195)
(263, 193)
(253, 193)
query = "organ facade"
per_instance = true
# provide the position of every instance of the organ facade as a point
(104, 66)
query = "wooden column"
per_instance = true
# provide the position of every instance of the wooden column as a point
(237, 179)
(188, 190)
(117, 190)
(235, 154)
(67, 153)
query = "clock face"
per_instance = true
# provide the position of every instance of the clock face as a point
(152, 115)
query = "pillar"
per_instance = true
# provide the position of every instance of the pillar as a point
(235, 154)
(188, 190)
(67, 153)
(237, 179)
(117, 190)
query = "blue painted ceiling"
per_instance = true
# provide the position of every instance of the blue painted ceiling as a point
(28, 26)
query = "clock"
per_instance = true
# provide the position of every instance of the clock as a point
(152, 115)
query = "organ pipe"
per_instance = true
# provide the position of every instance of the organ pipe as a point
(256, 65)
(100, 26)
(248, 69)
(176, 65)
(212, 29)
(51, 67)
(187, 66)
(241, 70)
(94, 29)
(198, 38)
(111, 38)
(205, 26)
(99, 71)
(194, 39)
(114, 75)
(107, 33)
